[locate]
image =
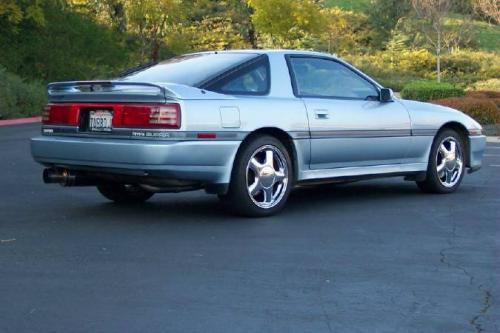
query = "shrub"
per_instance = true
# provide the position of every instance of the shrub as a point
(69, 46)
(462, 68)
(460, 63)
(491, 84)
(429, 90)
(483, 110)
(19, 98)
(394, 81)
(483, 94)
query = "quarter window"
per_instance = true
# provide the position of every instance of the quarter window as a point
(317, 77)
(249, 80)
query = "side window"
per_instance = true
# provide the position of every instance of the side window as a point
(250, 80)
(316, 77)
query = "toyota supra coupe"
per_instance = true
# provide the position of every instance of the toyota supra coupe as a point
(248, 126)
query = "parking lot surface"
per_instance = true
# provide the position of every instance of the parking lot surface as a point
(372, 256)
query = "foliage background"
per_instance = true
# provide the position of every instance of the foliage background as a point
(53, 40)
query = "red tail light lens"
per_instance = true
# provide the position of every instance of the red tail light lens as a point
(60, 114)
(124, 115)
(151, 116)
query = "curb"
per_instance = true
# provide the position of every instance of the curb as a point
(493, 139)
(491, 130)
(20, 121)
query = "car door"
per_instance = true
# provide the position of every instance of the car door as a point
(349, 125)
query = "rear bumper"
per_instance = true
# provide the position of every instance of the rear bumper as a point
(477, 145)
(203, 161)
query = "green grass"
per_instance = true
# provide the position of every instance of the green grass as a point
(354, 5)
(487, 36)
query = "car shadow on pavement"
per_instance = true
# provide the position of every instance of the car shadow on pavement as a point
(198, 207)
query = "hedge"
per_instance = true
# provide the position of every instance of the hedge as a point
(430, 90)
(484, 110)
(491, 84)
(19, 98)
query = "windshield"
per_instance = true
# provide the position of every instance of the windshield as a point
(190, 69)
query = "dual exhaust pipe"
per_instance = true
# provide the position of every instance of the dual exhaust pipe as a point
(67, 178)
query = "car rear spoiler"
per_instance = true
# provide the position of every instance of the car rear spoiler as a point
(108, 91)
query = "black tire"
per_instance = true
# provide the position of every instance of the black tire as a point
(433, 182)
(238, 199)
(122, 193)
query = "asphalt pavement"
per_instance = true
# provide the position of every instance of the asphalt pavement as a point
(372, 256)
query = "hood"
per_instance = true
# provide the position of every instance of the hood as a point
(432, 115)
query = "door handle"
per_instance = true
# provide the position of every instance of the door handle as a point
(321, 114)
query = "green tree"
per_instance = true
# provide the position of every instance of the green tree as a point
(286, 20)
(13, 12)
(152, 21)
(68, 46)
(345, 32)
(396, 44)
(202, 14)
(107, 12)
(384, 16)
(215, 33)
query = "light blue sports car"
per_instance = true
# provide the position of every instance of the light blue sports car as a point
(249, 126)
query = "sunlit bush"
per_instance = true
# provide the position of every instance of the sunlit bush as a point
(483, 110)
(491, 84)
(430, 90)
(19, 98)
(463, 68)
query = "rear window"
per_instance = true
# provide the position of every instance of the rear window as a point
(191, 69)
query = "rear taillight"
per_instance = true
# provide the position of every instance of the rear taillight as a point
(150, 116)
(124, 115)
(60, 114)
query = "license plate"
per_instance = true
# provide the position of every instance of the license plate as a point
(100, 121)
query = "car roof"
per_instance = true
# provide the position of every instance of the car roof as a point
(270, 51)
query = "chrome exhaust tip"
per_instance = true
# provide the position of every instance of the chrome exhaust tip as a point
(66, 178)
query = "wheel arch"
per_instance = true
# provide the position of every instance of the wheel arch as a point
(279, 134)
(462, 131)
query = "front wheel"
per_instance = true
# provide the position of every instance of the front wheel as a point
(123, 193)
(446, 164)
(262, 178)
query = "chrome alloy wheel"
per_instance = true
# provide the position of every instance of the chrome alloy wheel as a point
(267, 176)
(449, 162)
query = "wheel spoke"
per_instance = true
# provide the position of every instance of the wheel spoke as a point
(443, 149)
(268, 194)
(255, 166)
(279, 176)
(453, 147)
(449, 175)
(255, 187)
(441, 166)
(269, 158)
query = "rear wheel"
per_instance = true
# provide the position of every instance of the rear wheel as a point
(446, 164)
(123, 193)
(262, 178)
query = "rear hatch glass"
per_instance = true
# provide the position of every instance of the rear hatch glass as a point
(191, 69)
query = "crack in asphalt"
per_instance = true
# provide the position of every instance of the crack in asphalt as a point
(445, 261)
(487, 302)
(327, 317)
(487, 298)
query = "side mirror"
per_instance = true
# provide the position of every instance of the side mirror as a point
(385, 95)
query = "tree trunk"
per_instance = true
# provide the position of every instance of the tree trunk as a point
(438, 56)
(118, 16)
(155, 52)
(252, 36)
